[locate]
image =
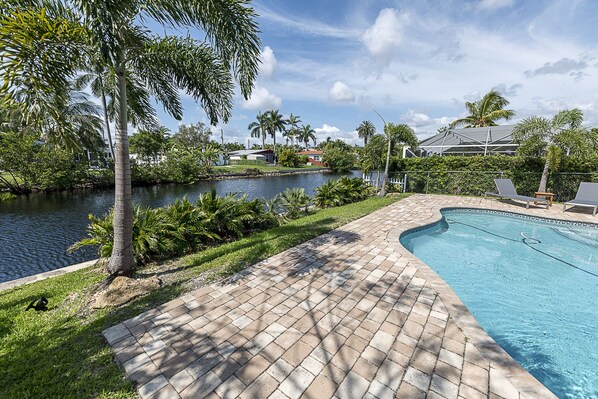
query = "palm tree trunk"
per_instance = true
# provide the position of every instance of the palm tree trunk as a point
(106, 120)
(544, 178)
(377, 178)
(122, 261)
(274, 138)
(385, 175)
(263, 139)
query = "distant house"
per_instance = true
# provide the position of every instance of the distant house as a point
(252, 155)
(314, 157)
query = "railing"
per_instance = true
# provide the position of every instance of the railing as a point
(466, 182)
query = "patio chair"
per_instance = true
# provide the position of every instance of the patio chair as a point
(587, 195)
(506, 189)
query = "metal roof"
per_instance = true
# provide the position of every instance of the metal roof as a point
(480, 140)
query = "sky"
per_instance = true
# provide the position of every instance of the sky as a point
(335, 62)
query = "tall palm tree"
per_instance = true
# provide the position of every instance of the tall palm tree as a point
(366, 130)
(275, 122)
(485, 111)
(258, 128)
(293, 123)
(305, 134)
(69, 34)
(538, 135)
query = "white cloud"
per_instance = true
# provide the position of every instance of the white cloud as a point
(349, 137)
(492, 5)
(423, 124)
(261, 99)
(341, 93)
(268, 63)
(383, 38)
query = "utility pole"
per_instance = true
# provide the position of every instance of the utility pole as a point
(385, 175)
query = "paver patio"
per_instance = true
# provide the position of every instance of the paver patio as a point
(349, 314)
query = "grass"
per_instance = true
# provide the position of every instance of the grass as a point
(62, 354)
(261, 168)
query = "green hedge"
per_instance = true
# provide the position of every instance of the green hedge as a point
(249, 162)
(467, 175)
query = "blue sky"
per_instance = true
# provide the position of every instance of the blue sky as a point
(332, 62)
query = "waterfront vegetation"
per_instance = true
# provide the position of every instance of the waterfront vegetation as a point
(185, 226)
(473, 175)
(61, 353)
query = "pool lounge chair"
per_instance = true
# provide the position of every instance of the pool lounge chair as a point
(587, 195)
(506, 189)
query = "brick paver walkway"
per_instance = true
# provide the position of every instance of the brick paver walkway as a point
(349, 314)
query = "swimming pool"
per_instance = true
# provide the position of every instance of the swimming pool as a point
(531, 283)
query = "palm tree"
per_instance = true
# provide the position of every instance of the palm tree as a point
(366, 130)
(100, 80)
(275, 123)
(305, 134)
(69, 34)
(538, 135)
(293, 123)
(258, 128)
(485, 111)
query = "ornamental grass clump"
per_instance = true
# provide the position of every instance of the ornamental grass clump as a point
(341, 191)
(183, 227)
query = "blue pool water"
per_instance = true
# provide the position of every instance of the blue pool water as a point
(532, 284)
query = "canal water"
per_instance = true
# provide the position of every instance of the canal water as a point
(36, 230)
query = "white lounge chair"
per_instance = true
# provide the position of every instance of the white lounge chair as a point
(587, 195)
(506, 189)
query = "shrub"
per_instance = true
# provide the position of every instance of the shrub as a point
(341, 191)
(338, 159)
(288, 158)
(294, 200)
(7, 196)
(248, 162)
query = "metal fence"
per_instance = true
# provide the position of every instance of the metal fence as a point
(466, 182)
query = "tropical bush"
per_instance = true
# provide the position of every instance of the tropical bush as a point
(289, 158)
(183, 226)
(29, 164)
(294, 201)
(339, 156)
(7, 196)
(341, 191)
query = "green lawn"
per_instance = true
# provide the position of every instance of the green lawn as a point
(261, 168)
(62, 354)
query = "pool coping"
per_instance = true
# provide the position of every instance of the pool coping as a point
(528, 386)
